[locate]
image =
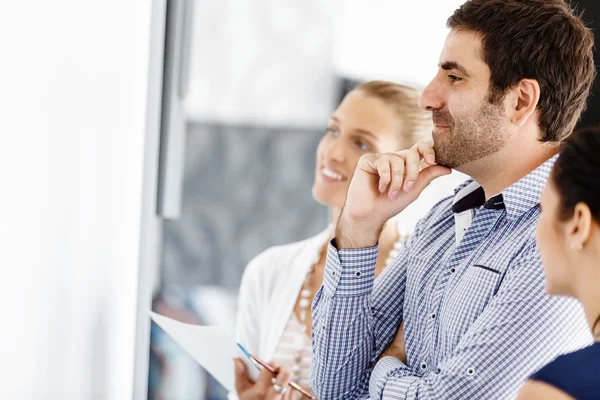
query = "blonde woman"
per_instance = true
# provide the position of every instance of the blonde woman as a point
(278, 286)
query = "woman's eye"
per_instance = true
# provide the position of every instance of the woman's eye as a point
(454, 78)
(362, 145)
(332, 132)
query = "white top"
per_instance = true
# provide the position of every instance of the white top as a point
(269, 290)
(294, 351)
(268, 293)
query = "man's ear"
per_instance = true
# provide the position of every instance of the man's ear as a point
(525, 98)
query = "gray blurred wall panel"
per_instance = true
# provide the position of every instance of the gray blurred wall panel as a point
(245, 188)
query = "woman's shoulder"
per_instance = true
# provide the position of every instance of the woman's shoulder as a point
(575, 373)
(588, 356)
(278, 259)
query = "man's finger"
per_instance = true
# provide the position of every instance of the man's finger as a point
(413, 166)
(426, 151)
(428, 174)
(398, 170)
(384, 170)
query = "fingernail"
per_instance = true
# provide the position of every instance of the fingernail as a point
(408, 186)
(394, 195)
(430, 159)
(382, 189)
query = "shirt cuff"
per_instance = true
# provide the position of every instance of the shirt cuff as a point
(390, 368)
(350, 272)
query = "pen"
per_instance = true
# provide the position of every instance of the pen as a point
(257, 361)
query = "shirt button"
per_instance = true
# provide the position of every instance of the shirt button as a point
(424, 366)
(471, 371)
(452, 270)
(438, 370)
(358, 274)
(433, 316)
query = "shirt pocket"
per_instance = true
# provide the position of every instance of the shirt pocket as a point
(466, 300)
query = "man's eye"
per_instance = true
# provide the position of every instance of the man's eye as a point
(332, 132)
(454, 78)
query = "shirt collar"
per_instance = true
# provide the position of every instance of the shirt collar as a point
(518, 198)
(477, 199)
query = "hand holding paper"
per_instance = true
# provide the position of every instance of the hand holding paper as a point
(210, 346)
(267, 387)
(214, 349)
(261, 364)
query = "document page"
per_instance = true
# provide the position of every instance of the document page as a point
(211, 346)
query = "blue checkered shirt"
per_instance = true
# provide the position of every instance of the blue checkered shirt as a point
(477, 319)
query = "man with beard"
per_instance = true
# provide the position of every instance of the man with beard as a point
(462, 312)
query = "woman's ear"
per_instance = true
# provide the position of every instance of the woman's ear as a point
(526, 95)
(579, 228)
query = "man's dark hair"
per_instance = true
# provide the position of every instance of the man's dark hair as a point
(535, 39)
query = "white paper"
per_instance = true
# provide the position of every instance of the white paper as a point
(210, 346)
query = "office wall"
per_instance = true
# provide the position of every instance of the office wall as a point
(390, 39)
(73, 78)
(246, 188)
(262, 62)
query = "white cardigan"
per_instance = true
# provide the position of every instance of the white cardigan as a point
(269, 290)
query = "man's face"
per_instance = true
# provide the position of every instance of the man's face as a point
(467, 126)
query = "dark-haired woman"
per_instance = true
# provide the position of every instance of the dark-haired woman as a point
(568, 236)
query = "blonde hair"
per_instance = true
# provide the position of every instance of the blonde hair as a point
(417, 123)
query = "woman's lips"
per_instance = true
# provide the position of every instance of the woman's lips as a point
(332, 176)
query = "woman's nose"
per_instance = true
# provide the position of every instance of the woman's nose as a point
(336, 150)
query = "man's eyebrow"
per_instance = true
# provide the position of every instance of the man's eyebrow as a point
(448, 65)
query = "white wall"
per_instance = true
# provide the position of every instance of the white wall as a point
(398, 40)
(73, 81)
(262, 62)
